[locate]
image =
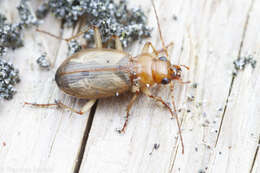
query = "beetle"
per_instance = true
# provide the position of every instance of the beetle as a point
(99, 72)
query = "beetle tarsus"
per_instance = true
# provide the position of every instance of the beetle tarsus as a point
(57, 103)
(127, 112)
(40, 105)
(184, 82)
(125, 125)
(173, 113)
(121, 131)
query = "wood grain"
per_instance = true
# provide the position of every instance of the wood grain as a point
(220, 126)
(39, 140)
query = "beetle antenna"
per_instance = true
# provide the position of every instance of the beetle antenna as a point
(66, 39)
(159, 28)
(176, 115)
(50, 34)
(188, 68)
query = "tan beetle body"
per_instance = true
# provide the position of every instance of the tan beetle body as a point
(102, 72)
(98, 73)
(95, 73)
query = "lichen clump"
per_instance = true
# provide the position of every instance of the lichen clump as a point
(8, 78)
(43, 61)
(241, 62)
(73, 46)
(26, 14)
(10, 35)
(111, 18)
(11, 38)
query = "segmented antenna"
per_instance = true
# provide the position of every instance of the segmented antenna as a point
(85, 29)
(171, 85)
(176, 115)
(159, 28)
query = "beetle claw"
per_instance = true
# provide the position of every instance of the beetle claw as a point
(121, 131)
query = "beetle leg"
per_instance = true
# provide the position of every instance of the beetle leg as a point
(147, 46)
(183, 82)
(117, 41)
(50, 34)
(97, 37)
(61, 105)
(88, 105)
(65, 39)
(174, 114)
(98, 40)
(57, 103)
(167, 46)
(156, 52)
(129, 106)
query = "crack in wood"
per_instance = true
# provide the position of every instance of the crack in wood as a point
(245, 27)
(233, 78)
(85, 138)
(225, 108)
(79, 158)
(53, 64)
(255, 155)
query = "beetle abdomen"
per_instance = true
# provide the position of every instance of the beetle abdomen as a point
(95, 73)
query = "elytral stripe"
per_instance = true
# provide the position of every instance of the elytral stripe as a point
(120, 68)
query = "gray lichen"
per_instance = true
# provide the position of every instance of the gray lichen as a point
(241, 62)
(73, 47)
(10, 34)
(42, 11)
(27, 16)
(11, 38)
(111, 18)
(8, 78)
(3, 50)
(43, 61)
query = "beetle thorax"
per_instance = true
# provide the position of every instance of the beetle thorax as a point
(151, 70)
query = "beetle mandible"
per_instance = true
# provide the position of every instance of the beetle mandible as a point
(102, 72)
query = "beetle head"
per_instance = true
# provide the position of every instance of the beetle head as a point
(176, 70)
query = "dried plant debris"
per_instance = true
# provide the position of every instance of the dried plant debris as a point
(43, 62)
(111, 18)
(241, 62)
(8, 78)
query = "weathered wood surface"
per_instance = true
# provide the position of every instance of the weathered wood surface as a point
(221, 132)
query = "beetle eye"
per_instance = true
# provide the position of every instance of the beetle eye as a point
(165, 81)
(163, 58)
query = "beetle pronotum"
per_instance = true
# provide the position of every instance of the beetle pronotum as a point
(101, 72)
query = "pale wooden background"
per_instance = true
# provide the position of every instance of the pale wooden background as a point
(221, 133)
